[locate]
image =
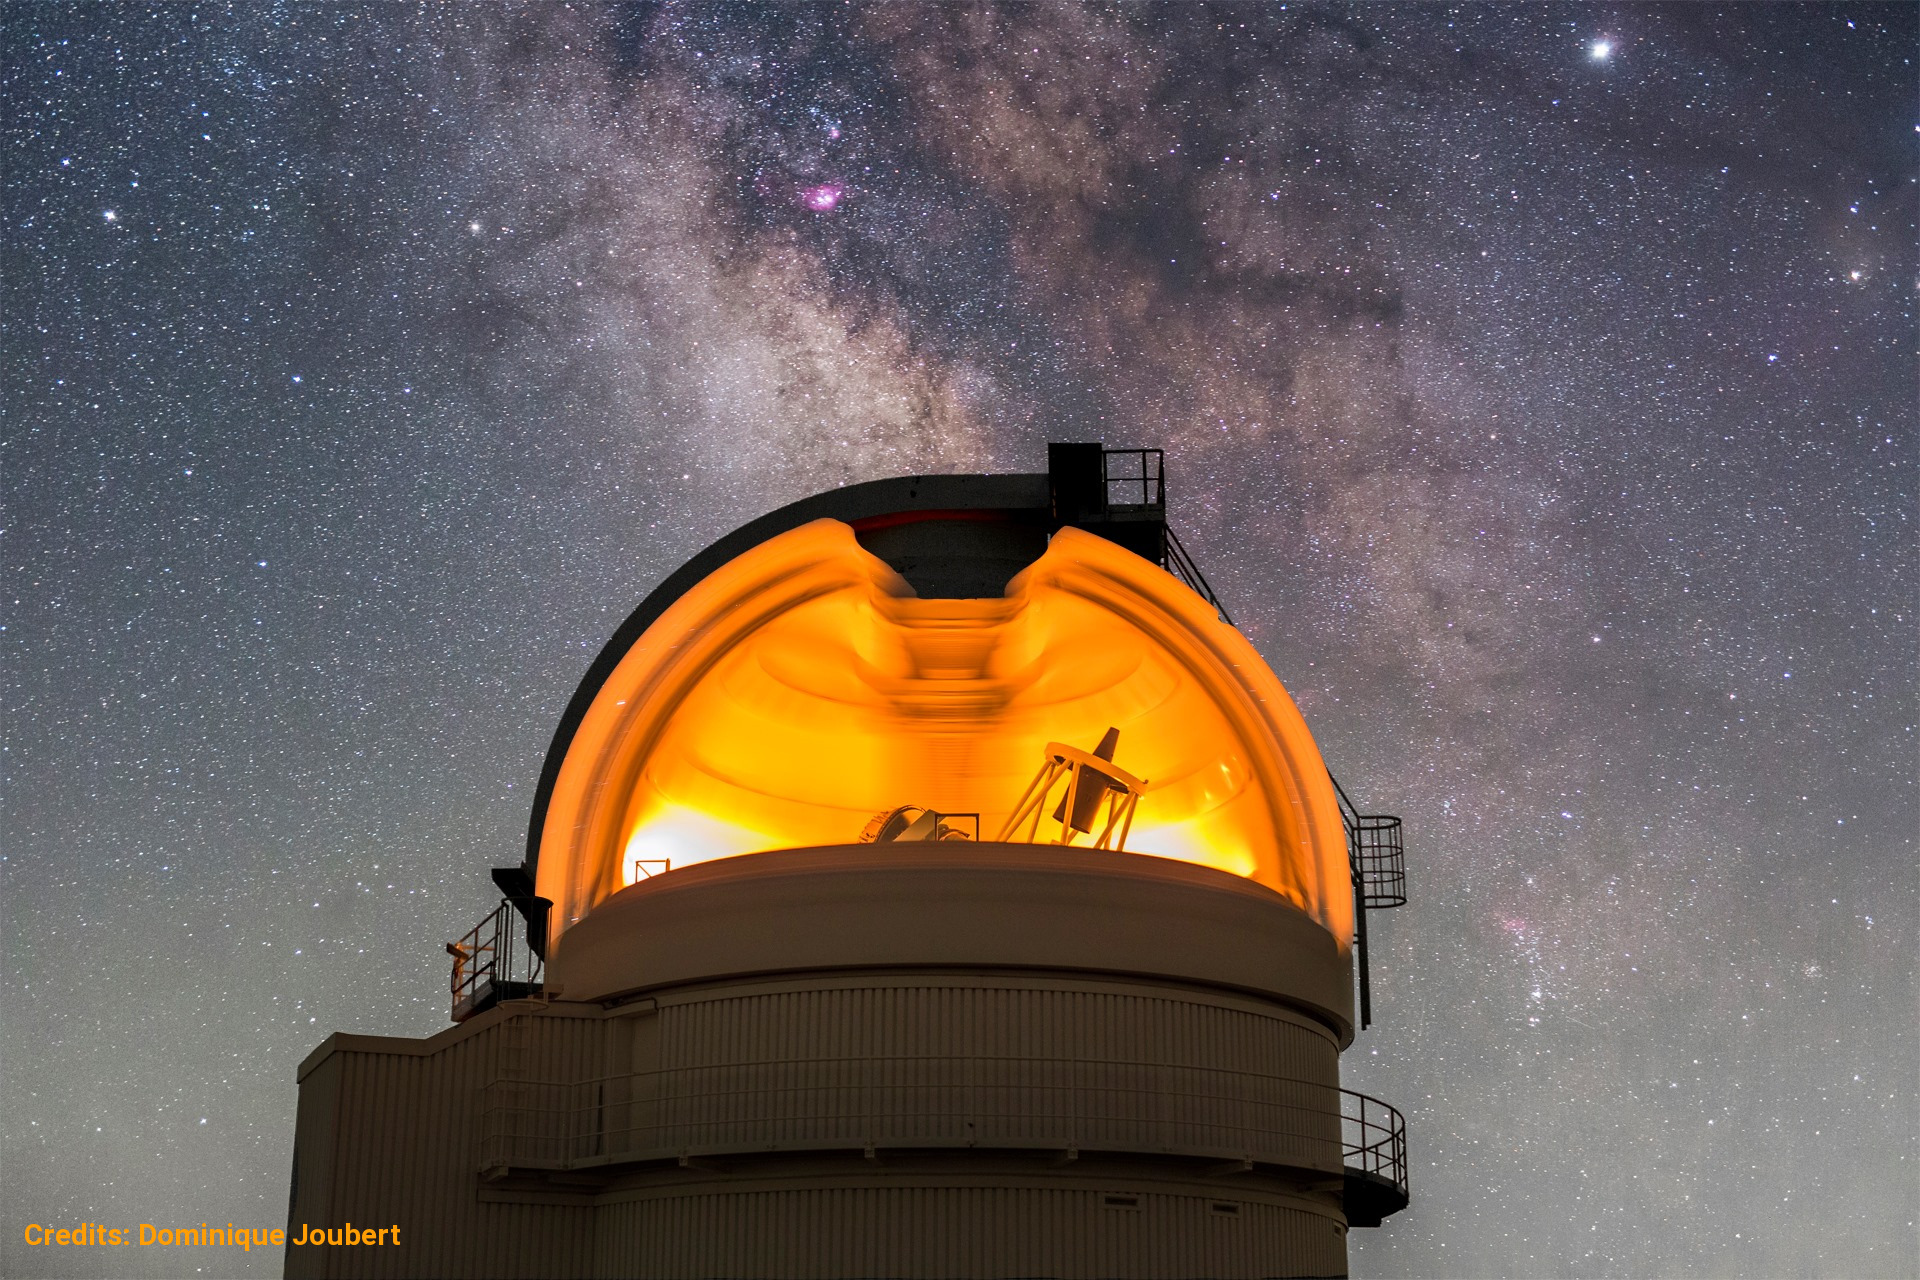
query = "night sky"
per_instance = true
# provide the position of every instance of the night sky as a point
(1538, 391)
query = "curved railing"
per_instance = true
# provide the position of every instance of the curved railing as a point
(1380, 860)
(1373, 1137)
(1373, 1145)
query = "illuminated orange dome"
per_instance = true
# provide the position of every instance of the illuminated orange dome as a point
(802, 688)
(921, 858)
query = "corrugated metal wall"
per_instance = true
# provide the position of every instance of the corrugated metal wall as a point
(974, 1063)
(405, 1132)
(961, 1231)
(396, 1132)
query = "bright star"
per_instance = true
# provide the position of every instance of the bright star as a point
(111, 216)
(1602, 50)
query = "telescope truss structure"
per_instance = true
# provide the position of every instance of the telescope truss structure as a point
(1080, 770)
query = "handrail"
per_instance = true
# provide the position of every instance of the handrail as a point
(1149, 474)
(491, 961)
(1379, 1143)
(1182, 566)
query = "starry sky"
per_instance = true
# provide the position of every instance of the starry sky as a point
(1538, 390)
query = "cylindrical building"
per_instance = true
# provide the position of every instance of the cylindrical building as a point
(929, 883)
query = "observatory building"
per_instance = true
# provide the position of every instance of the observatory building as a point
(925, 880)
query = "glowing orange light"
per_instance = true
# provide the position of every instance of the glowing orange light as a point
(803, 688)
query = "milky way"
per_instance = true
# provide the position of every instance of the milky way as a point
(1538, 391)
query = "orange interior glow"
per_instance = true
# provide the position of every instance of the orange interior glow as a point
(803, 688)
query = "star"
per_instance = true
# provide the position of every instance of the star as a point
(1601, 50)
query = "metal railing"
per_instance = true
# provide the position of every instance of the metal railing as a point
(493, 962)
(1373, 1138)
(648, 868)
(1182, 566)
(1378, 855)
(1135, 479)
(1377, 864)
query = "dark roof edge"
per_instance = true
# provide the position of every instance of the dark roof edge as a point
(855, 502)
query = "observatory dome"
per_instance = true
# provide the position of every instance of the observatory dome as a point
(802, 692)
(928, 858)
